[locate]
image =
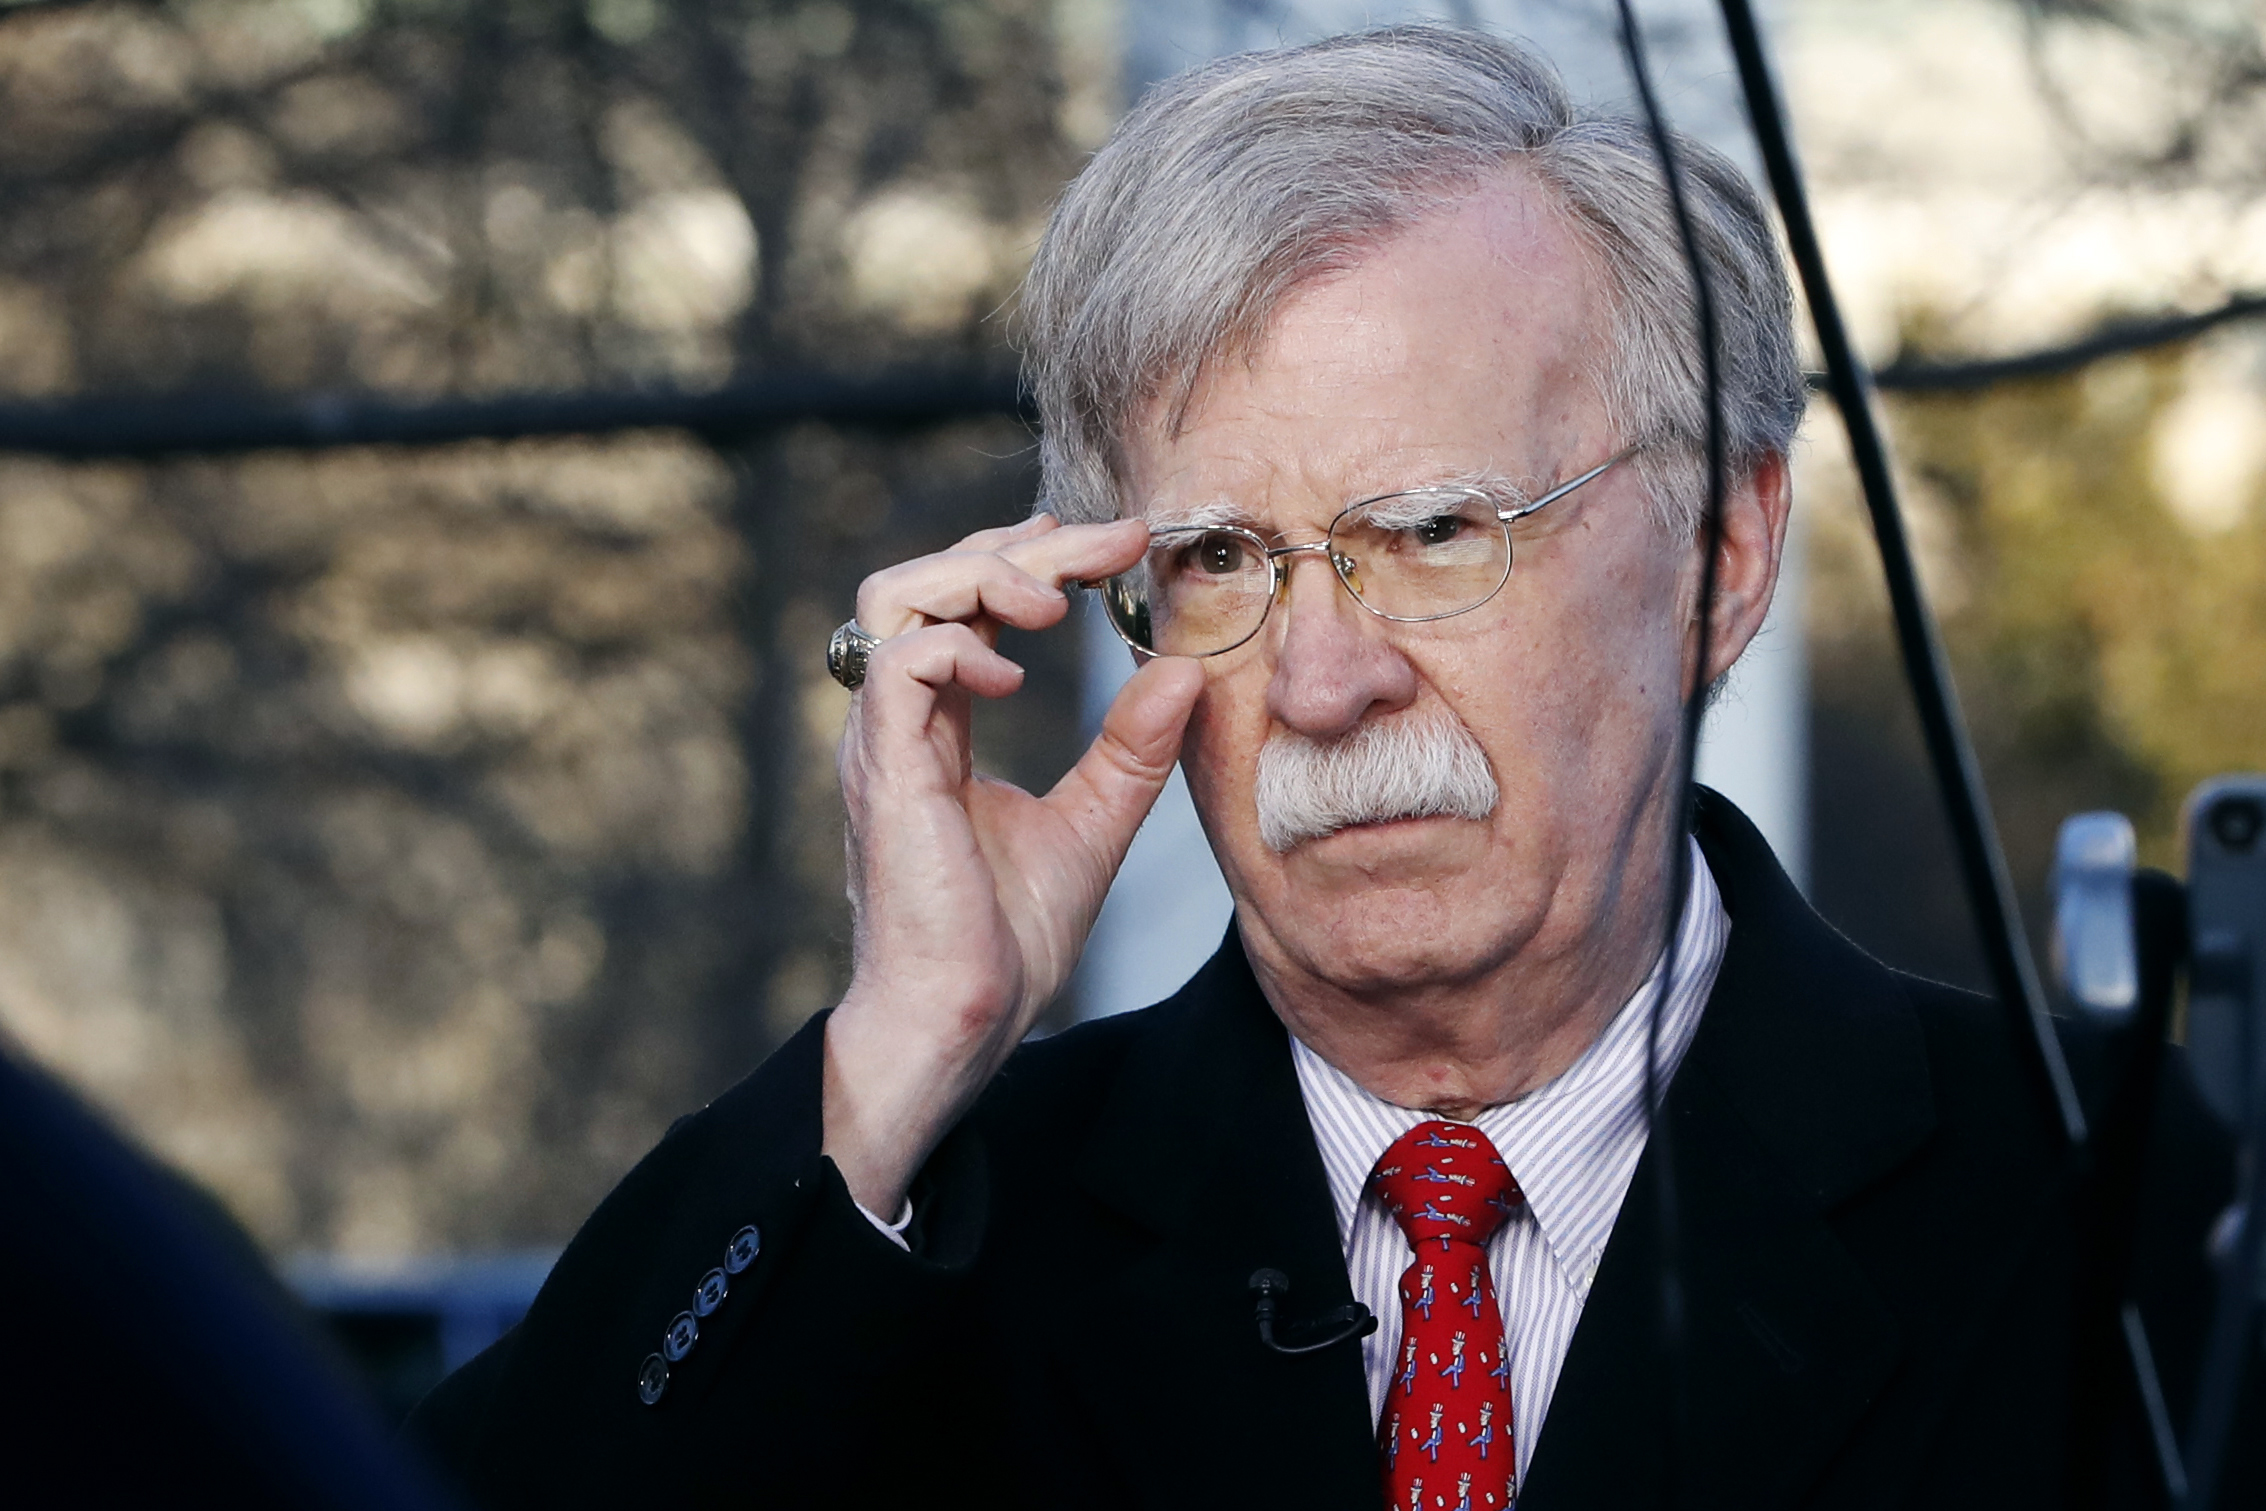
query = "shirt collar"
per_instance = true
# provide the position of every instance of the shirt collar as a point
(1572, 1143)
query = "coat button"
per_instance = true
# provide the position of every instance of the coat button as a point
(745, 1245)
(683, 1333)
(652, 1379)
(713, 1289)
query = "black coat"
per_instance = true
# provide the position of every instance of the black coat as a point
(1879, 1246)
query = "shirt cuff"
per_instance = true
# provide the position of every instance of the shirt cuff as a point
(893, 1231)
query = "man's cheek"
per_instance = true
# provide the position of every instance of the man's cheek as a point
(1225, 732)
(1220, 772)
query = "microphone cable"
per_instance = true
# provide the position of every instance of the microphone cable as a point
(1659, 1144)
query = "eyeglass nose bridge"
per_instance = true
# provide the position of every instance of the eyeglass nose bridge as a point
(1344, 566)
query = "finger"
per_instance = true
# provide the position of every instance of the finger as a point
(909, 670)
(908, 732)
(1000, 535)
(957, 587)
(1080, 553)
(1113, 786)
(1019, 584)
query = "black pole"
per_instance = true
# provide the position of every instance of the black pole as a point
(1659, 1142)
(1982, 862)
(132, 429)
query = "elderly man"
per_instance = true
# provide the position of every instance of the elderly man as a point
(1325, 339)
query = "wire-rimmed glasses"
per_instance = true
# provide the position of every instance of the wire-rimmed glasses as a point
(1428, 553)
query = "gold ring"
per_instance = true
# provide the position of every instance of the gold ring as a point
(846, 652)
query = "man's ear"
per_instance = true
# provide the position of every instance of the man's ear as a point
(1755, 510)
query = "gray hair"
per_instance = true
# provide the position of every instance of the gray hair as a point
(1230, 186)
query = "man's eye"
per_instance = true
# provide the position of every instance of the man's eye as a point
(1438, 530)
(1220, 555)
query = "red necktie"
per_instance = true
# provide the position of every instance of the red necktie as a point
(1445, 1436)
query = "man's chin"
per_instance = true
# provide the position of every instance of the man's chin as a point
(1407, 902)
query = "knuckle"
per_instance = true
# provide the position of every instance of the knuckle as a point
(956, 638)
(874, 590)
(918, 647)
(890, 654)
(1130, 761)
(981, 566)
(941, 585)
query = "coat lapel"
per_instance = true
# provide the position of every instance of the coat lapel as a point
(1806, 1080)
(1207, 1158)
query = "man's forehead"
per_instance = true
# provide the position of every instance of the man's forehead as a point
(1462, 347)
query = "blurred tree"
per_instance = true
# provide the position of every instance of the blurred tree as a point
(1998, 174)
(2107, 628)
(2121, 640)
(2154, 92)
(400, 839)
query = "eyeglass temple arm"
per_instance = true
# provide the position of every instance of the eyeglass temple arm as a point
(1507, 516)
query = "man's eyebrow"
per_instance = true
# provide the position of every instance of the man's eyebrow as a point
(1219, 514)
(1492, 486)
(1227, 514)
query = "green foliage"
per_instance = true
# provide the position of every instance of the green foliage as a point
(2112, 652)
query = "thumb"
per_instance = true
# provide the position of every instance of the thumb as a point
(1106, 795)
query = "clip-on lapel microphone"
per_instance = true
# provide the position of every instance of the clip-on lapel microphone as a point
(1355, 1321)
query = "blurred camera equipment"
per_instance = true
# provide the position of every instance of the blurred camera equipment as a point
(2119, 935)
(2226, 899)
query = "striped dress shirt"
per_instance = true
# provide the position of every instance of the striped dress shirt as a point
(1572, 1145)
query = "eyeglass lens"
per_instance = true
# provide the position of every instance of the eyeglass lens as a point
(1409, 556)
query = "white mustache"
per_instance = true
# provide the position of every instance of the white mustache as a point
(1395, 769)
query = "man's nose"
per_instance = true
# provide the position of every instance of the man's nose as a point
(1335, 662)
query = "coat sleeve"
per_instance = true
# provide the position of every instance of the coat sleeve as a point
(821, 1357)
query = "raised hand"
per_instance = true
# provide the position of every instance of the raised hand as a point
(972, 897)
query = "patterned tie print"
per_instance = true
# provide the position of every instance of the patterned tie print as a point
(1445, 1435)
